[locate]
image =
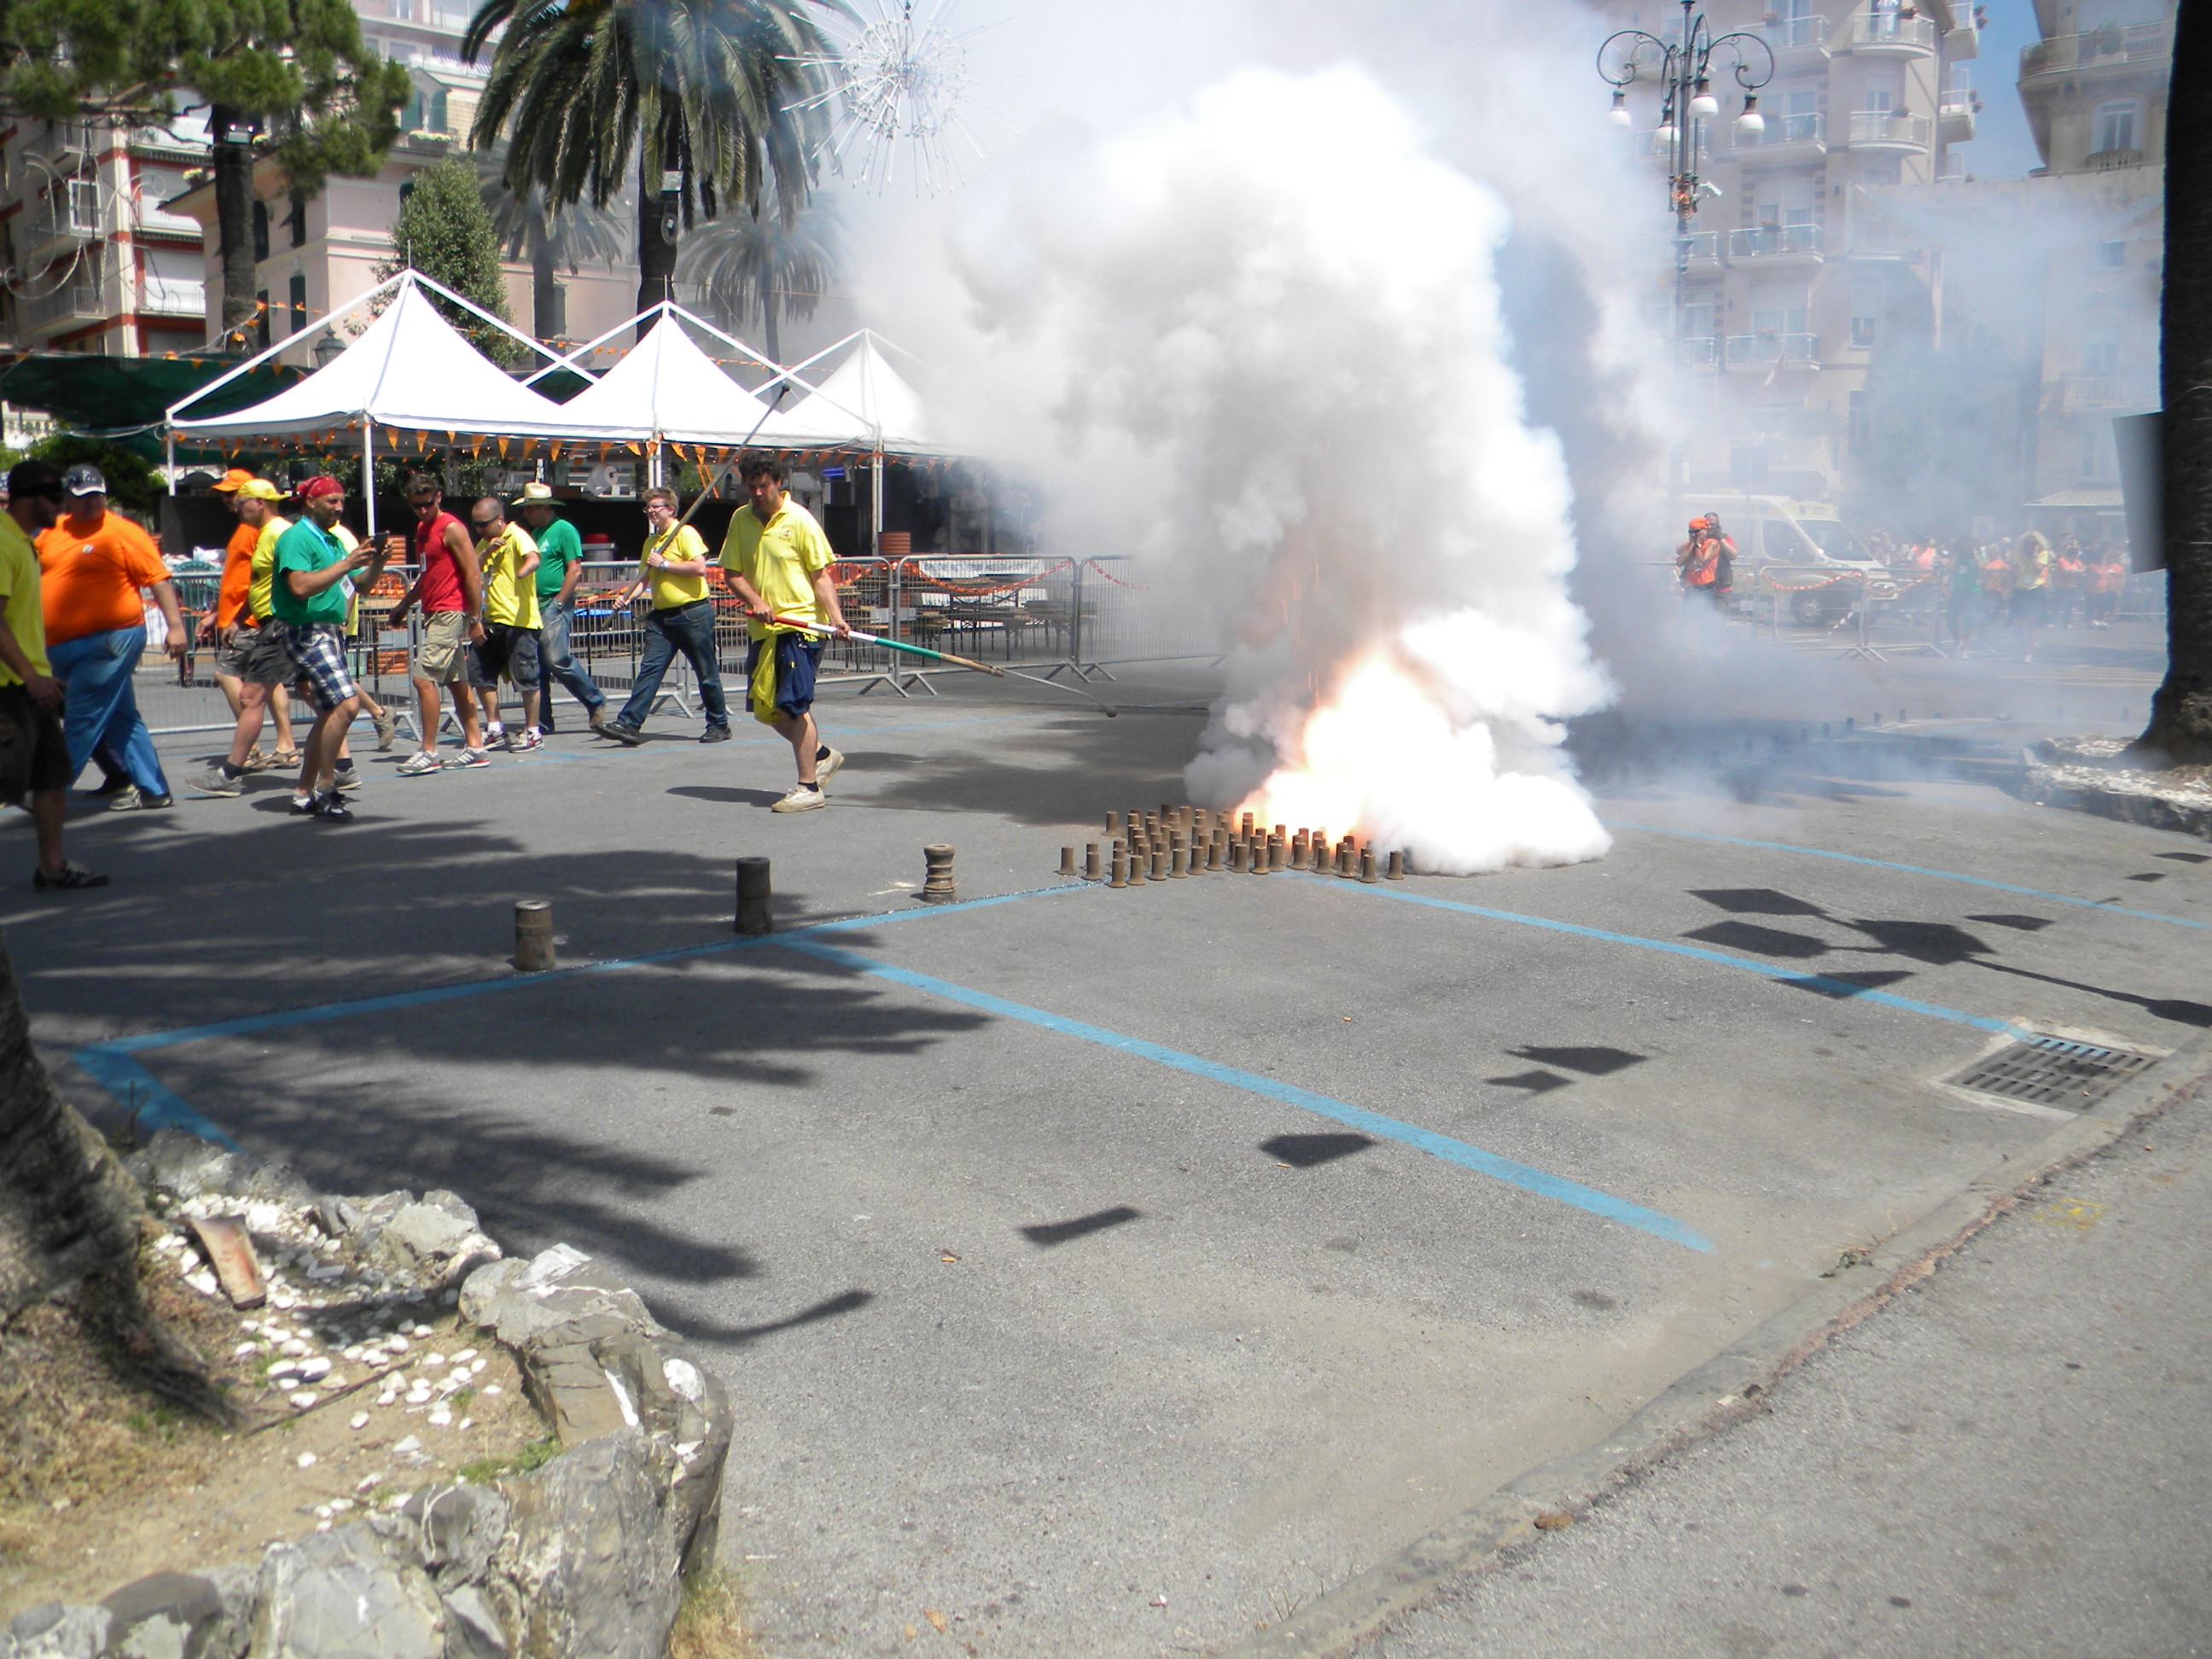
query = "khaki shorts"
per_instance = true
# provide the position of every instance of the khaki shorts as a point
(441, 655)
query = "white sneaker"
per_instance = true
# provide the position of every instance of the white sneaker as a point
(800, 799)
(826, 766)
(421, 764)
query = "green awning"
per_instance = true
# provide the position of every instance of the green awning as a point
(113, 394)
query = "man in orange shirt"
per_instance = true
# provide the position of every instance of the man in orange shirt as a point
(93, 565)
(233, 614)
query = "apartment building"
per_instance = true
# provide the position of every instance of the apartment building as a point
(1786, 300)
(95, 260)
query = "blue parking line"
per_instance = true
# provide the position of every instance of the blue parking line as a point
(1822, 983)
(1910, 869)
(1525, 1176)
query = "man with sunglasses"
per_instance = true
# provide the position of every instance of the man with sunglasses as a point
(674, 568)
(508, 559)
(450, 589)
(33, 753)
(309, 598)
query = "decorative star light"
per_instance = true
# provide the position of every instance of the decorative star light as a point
(898, 84)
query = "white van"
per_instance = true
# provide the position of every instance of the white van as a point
(1786, 533)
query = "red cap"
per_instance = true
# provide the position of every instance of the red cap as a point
(321, 484)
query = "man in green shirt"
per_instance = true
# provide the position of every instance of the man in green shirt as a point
(778, 560)
(33, 752)
(559, 566)
(310, 591)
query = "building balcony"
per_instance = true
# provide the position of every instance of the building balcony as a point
(167, 297)
(2080, 394)
(1883, 129)
(1885, 34)
(1698, 351)
(1775, 244)
(2110, 160)
(1797, 42)
(1954, 116)
(70, 216)
(2113, 46)
(71, 306)
(1770, 350)
(1788, 140)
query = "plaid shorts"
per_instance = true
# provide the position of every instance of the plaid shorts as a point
(318, 651)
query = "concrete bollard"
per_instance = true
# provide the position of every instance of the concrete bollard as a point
(1160, 870)
(1344, 857)
(1090, 860)
(1178, 859)
(1397, 869)
(753, 917)
(1138, 859)
(1120, 866)
(1113, 825)
(1212, 854)
(1244, 827)
(1275, 851)
(1367, 865)
(938, 886)
(1068, 862)
(1236, 857)
(533, 936)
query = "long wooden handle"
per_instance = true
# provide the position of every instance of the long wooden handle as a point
(894, 645)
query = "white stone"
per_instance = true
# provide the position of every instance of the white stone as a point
(468, 1422)
(465, 1356)
(476, 1367)
(411, 1443)
(306, 1460)
(491, 1387)
(440, 1419)
(434, 1359)
(303, 1399)
(294, 1345)
(320, 1366)
(203, 1281)
(358, 1420)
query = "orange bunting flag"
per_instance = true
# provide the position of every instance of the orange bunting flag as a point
(502, 449)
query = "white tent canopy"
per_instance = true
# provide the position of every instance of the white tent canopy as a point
(665, 388)
(410, 369)
(864, 405)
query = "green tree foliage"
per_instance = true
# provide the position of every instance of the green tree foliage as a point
(299, 70)
(758, 265)
(711, 96)
(444, 232)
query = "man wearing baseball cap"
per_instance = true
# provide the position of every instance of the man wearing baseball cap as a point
(33, 753)
(250, 665)
(309, 595)
(94, 563)
(559, 566)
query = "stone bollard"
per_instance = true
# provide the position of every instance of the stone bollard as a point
(533, 936)
(1245, 828)
(752, 897)
(1090, 860)
(1367, 865)
(937, 887)
(1178, 858)
(1112, 824)
(1068, 862)
(1344, 857)
(1275, 860)
(1121, 866)
(1212, 851)
(1236, 857)
(1160, 870)
(1397, 870)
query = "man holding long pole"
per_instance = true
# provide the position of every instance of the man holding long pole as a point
(778, 560)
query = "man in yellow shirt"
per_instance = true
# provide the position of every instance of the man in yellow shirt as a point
(674, 568)
(778, 560)
(508, 559)
(33, 752)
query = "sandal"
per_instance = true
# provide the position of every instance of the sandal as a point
(284, 760)
(69, 875)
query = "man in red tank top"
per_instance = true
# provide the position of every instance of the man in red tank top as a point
(450, 589)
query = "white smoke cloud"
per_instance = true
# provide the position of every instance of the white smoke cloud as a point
(1267, 321)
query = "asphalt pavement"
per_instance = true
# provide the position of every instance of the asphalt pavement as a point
(1115, 1272)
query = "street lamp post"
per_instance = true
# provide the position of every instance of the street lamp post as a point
(1684, 71)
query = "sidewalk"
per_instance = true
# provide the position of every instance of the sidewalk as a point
(2016, 1458)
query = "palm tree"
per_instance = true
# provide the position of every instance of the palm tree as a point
(548, 238)
(713, 95)
(750, 264)
(2180, 728)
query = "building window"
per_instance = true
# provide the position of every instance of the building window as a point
(2116, 128)
(2100, 357)
(298, 221)
(260, 231)
(1863, 331)
(261, 319)
(298, 298)
(2093, 452)
(2112, 256)
(1859, 425)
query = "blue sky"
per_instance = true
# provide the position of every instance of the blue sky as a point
(2002, 148)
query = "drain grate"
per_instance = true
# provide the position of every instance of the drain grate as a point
(2050, 1071)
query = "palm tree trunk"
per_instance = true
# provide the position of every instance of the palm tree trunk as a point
(772, 328)
(2181, 712)
(656, 251)
(545, 293)
(233, 221)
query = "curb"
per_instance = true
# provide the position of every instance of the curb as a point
(1724, 1390)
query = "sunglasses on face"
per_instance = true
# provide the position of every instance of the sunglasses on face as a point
(423, 506)
(484, 524)
(53, 493)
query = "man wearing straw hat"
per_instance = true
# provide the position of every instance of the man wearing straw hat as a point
(559, 566)
(778, 560)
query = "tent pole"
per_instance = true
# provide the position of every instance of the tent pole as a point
(169, 444)
(876, 479)
(369, 475)
(653, 467)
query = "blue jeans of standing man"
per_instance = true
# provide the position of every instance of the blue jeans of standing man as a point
(102, 711)
(557, 661)
(689, 629)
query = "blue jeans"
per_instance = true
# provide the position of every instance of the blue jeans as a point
(689, 629)
(102, 711)
(556, 661)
